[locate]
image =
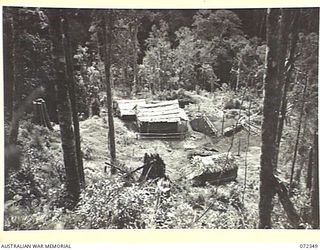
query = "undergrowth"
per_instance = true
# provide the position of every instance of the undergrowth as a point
(35, 196)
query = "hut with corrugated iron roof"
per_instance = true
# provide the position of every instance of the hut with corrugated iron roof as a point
(161, 119)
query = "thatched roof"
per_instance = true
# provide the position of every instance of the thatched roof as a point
(161, 111)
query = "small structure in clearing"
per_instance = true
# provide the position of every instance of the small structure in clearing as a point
(125, 109)
(161, 119)
(203, 124)
(213, 169)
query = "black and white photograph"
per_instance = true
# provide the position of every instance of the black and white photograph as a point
(120, 118)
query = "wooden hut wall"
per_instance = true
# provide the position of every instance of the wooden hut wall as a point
(158, 127)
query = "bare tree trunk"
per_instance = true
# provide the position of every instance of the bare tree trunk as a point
(125, 75)
(8, 40)
(315, 184)
(151, 83)
(64, 106)
(72, 93)
(135, 56)
(160, 83)
(289, 67)
(309, 173)
(99, 45)
(238, 76)
(262, 22)
(107, 50)
(275, 59)
(298, 134)
(246, 157)
(17, 81)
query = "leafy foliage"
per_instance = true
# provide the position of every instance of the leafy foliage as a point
(219, 23)
(111, 204)
(205, 50)
(158, 59)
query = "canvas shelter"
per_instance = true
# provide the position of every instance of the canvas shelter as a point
(161, 119)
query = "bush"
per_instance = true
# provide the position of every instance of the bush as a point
(23, 188)
(33, 189)
(112, 204)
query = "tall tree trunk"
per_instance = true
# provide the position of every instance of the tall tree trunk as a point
(160, 80)
(64, 106)
(275, 59)
(309, 171)
(72, 93)
(135, 57)
(100, 45)
(289, 68)
(298, 134)
(151, 83)
(107, 48)
(315, 184)
(238, 76)
(125, 75)
(8, 40)
(17, 79)
(261, 22)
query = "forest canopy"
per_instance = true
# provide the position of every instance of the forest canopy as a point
(241, 87)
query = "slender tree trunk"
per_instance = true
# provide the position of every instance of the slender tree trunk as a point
(160, 83)
(17, 80)
(315, 184)
(151, 83)
(72, 93)
(238, 76)
(288, 72)
(107, 49)
(262, 22)
(8, 40)
(246, 157)
(64, 106)
(125, 75)
(99, 45)
(275, 59)
(298, 134)
(135, 57)
(309, 173)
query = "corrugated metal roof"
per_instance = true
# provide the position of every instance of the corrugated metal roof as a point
(162, 111)
(126, 107)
